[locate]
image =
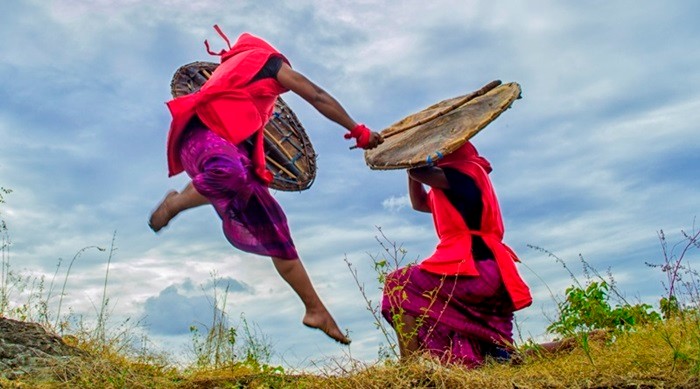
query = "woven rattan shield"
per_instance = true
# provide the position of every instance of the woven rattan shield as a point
(424, 137)
(289, 154)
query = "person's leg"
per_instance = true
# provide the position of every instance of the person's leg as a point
(399, 296)
(569, 343)
(316, 316)
(407, 335)
(174, 203)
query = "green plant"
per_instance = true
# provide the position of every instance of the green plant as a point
(65, 282)
(390, 259)
(223, 345)
(102, 315)
(587, 308)
(215, 348)
(5, 257)
(682, 299)
(12, 283)
(4, 191)
(682, 281)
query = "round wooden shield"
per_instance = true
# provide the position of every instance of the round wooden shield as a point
(289, 155)
(424, 137)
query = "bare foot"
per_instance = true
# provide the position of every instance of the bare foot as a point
(324, 322)
(569, 343)
(163, 214)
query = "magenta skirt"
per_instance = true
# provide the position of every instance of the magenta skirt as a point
(462, 319)
(252, 219)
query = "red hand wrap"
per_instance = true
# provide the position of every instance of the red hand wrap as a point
(361, 133)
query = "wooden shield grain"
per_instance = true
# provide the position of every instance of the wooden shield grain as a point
(420, 139)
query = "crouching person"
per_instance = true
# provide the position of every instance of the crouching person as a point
(457, 305)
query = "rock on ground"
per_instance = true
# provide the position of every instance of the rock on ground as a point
(27, 348)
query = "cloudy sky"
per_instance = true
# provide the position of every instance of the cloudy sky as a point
(600, 154)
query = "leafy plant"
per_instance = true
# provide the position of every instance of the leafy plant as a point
(587, 306)
(587, 309)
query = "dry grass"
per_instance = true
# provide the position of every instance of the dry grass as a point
(637, 360)
(663, 355)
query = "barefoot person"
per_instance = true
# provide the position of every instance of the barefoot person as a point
(206, 141)
(458, 303)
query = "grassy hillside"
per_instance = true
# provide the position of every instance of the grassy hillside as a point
(609, 342)
(665, 354)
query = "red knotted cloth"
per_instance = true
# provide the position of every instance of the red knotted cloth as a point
(362, 135)
(453, 255)
(228, 104)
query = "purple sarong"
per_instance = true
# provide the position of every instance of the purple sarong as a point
(252, 219)
(462, 319)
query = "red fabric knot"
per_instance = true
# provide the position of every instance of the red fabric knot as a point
(223, 51)
(259, 160)
(361, 133)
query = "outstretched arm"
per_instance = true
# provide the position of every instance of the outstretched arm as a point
(320, 99)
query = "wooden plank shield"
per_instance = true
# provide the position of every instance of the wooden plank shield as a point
(422, 138)
(289, 154)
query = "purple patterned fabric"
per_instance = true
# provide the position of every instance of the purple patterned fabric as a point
(252, 219)
(462, 319)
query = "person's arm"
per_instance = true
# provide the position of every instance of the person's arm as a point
(321, 100)
(428, 175)
(432, 176)
(417, 195)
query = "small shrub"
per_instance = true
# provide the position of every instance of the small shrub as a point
(588, 309)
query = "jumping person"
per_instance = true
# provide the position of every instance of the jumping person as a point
(458, 303)
(206, 138)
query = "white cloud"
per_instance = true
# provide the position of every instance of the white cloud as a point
(394, 204)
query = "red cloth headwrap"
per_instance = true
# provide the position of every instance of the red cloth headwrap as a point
(466, 153)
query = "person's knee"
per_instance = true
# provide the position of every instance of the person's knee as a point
(221, 175)
(399, 277)
(224, 167)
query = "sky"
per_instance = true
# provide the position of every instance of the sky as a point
(600, 154)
